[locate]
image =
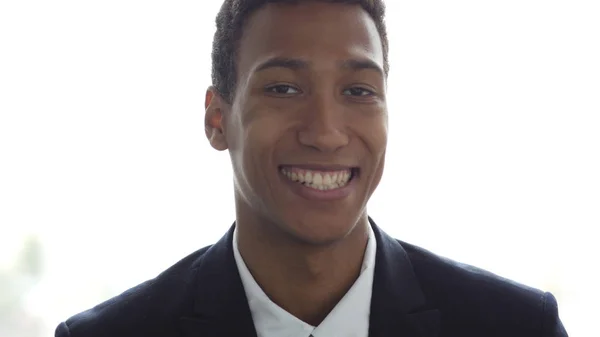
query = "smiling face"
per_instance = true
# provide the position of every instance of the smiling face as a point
(307, 129)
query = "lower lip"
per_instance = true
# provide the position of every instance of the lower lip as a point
(319, 195)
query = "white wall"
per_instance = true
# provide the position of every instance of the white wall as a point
(493, 158)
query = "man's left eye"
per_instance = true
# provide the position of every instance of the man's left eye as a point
(358, 91)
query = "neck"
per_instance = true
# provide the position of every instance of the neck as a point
(306, 280)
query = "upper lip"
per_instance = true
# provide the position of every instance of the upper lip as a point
(321, 167)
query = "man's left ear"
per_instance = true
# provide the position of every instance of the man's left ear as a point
(213, 119)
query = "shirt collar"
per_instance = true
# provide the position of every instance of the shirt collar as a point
(350, 317)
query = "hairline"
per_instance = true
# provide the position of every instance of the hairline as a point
(239, 34)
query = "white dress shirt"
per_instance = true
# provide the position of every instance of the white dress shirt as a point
(349, 318)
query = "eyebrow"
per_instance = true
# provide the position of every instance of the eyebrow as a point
(298, 64)
(282, 62)
(362, 64)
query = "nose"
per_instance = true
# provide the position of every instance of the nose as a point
(324, 128)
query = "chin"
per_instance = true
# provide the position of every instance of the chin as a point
(320, 229)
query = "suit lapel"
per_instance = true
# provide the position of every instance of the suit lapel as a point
(398, 306)
(220, 304)
(397, 303)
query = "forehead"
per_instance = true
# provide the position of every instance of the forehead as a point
(319, 32)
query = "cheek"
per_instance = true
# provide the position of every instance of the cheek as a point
(379, 135)
(373, 130)
(262, 125)
(260, 139)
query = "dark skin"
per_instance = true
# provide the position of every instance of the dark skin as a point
(310, 91)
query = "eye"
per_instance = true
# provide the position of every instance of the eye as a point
(358, 91)
(282, 89)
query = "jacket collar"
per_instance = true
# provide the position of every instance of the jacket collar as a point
(398, 305)
(221, 308)
(220, 304)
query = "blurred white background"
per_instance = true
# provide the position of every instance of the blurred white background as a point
(106, 178)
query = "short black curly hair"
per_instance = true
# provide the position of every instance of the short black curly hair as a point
(230, 22)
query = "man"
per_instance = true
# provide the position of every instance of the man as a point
(299, 100)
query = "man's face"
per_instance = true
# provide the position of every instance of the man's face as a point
(307, 129)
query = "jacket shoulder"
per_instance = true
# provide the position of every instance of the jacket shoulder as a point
(472, 297)
(151, 308)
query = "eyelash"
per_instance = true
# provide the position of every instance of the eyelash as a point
(274, 90)
(364, 90)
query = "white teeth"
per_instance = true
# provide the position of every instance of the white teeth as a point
(319, 180)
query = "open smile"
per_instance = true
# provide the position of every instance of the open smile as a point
(321, 183)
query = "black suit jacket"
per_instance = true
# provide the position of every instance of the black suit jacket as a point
(415, 294)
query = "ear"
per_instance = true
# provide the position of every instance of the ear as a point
(213, 126)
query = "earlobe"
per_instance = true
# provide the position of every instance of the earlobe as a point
(213, 120)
